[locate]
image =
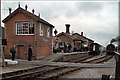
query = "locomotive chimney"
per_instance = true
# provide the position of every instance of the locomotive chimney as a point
(67, 28)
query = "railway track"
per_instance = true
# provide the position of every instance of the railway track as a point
(91, 59)
(72, 59)
(98, 60)
(38, 73)
(57, 73)
(80, 59)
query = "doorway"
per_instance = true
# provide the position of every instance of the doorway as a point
(21, 50)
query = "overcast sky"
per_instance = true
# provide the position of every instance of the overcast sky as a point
(98, 20)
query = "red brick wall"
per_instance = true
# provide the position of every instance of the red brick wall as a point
(43, 46)
(45, 43)
(67, 40)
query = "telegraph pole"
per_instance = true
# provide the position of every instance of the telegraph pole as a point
(117, 73)
(1, 48)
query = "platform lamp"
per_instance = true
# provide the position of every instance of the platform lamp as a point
(56, 41)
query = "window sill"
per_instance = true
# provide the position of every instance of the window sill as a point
(24, 34)
(41, 35)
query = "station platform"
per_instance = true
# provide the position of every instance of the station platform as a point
(66, 56)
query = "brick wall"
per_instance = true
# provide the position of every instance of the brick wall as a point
(67, 40)
(84, 39)
(43, 44)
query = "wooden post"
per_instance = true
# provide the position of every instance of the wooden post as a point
(117, 73)
(105, 77)
(35, 40)
(3, 59)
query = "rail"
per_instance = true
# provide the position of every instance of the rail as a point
(117, 53)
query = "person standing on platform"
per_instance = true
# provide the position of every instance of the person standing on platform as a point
(69, 48)
(29, 53)
(65, 48)
(13, 51)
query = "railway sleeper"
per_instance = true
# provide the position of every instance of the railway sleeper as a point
(30, 74)
(94, 59)
(56, 74)
(74, 59)
(20, 71)
(99, 60)
(104, 60)
(82, 59)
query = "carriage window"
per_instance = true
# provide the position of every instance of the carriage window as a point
(24, 28)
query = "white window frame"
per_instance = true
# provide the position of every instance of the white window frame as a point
(22, 28)
(48, 31)
(41, 29)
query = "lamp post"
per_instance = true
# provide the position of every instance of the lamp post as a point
(55, 42)
(117, 72)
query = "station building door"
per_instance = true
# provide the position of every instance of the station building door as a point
(21, 50)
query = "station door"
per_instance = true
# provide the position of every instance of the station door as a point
(21, 50)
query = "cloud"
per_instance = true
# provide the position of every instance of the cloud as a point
(89, 7)
(98, 20)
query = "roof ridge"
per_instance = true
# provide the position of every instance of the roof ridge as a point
(83, 36)
(21, 10)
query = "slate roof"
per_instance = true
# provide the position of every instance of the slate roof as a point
(68, 35)
(83, 37)
(73, 37)
(27, 13)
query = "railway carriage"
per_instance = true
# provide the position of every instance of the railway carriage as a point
(94, 49)
(110, 49)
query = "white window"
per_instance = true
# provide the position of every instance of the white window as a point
(48, 31)
(41, 29)
(23, 28)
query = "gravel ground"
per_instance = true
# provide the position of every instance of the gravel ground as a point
(92, 73)
(83, 73)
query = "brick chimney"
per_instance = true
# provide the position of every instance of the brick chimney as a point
(10, 10)
(39, 15)
(81, 33)
(26, 7)
(67, 28)
(19, 5)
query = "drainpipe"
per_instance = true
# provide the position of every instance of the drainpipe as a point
(35, 42)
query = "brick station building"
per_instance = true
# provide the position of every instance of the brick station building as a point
(23, 28)
(85, 42)
(78, 42)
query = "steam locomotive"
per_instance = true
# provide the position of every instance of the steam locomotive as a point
(110, 49)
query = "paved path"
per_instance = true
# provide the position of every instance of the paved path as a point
(91, 73)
